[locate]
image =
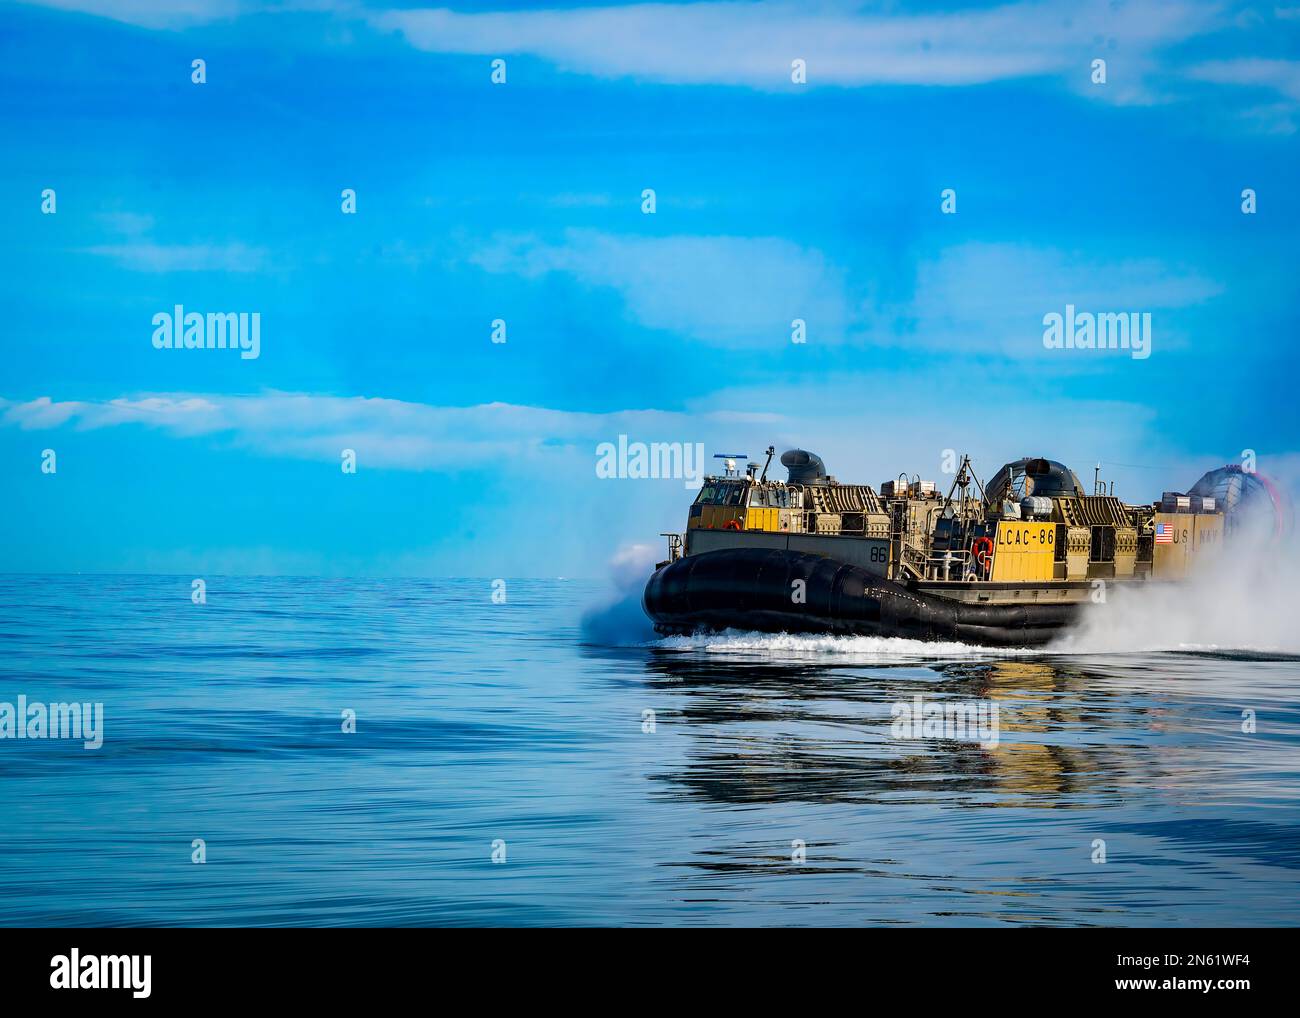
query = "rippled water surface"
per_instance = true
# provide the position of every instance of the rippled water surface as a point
(478, 722)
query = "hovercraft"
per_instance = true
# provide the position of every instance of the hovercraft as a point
(1007, 564)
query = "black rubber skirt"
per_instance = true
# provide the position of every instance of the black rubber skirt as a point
(761, 589)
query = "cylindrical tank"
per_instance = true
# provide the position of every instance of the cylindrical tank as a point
(1035, 505)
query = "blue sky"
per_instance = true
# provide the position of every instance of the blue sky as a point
(522, 201)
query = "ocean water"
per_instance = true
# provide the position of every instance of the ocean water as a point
(481, 723)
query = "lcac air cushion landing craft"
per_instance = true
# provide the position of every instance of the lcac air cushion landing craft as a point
(1009, 563)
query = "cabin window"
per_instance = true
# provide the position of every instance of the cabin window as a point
(717, 494)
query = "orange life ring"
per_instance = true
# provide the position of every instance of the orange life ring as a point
(982, 550)
(731, 525)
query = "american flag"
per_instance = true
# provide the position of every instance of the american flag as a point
(1164, 533)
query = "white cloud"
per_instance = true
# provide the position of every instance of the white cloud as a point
(754, 43)
(725, 291)
(138, 251)
(181, 414)
(1282, 76)
(165, 14)
(844, 44)
(866, 431)
(743, 292)
(543, 510)
(991, 298)
(148, 256)
(385, 433)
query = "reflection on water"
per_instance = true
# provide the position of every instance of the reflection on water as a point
(1145, 753)
(738, 779)
(1073, 733)
(816, 733)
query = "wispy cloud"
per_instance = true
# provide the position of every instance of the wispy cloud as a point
(135, 249)
(542, 443)
(721, 290)
(148, 256)
(1276, 81)
(986, 298)
(754, 43)
(843, 44)
(166, 14)
(991, 297)
(1281, 76)
(385, 433)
